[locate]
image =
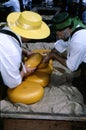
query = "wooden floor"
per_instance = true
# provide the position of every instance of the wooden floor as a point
(25, 124)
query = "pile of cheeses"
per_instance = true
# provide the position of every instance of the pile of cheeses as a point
(31, 90)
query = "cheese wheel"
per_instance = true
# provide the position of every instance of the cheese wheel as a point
(34, 60)
(41, 51)
(39, 77)
(48, 69)
(42, 65)
(26, 92)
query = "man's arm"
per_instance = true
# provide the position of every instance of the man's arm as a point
(55, 55)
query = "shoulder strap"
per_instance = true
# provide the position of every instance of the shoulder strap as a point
(77, 29)
(11, 34)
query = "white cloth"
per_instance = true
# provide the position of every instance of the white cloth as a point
(62, 100)
(14, 4)
(10, 59)
(76, 49)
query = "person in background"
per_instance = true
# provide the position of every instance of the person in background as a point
(73, 7)
(4, 11)
(27, 4)
(71, 33)
(25, 25)
(14, 5)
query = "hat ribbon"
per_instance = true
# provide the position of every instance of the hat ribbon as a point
(25, 26)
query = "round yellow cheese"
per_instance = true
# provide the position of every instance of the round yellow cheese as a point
(34, 60)
(42, 65)
(39, 77)
(26, 92)
(48, 69)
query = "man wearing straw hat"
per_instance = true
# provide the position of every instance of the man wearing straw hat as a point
(71, 35)
(25, 25)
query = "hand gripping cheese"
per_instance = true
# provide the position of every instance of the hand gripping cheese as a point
(26, 92)
(47, 67)
(34, 60)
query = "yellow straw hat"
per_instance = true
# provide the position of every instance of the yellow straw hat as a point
(28, 24)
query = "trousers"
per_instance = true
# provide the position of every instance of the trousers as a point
(3, 89)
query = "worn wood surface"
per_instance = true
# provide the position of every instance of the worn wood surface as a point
(22, 124)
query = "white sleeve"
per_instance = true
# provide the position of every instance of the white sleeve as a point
(75, 57)
(60, 46)
(10, 71)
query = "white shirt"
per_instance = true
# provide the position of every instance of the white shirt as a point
(84, 1)
(10, 59)
(14, 4)
(76, 49)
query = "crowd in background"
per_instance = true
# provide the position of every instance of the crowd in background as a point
(73, 7)
(20, 5)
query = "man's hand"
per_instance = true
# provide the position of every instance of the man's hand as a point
(29, 71)
(46, 58)
(26, 71)
(27, 53)
(49, 56)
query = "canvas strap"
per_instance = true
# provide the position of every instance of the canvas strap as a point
(11, 34)
(77, 29)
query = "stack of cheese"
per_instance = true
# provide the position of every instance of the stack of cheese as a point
(31, 89)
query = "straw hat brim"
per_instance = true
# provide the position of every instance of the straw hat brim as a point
(39, 33)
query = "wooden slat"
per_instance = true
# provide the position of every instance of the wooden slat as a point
(43, 116)
(18, 124)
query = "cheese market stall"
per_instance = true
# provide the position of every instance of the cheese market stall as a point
(61, 107)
